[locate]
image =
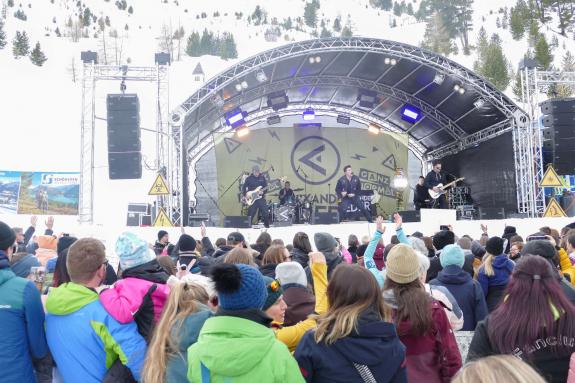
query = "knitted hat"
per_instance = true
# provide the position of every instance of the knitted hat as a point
(161, 234)
(187, 243)
(291, 272)
(402, 264)
(509, 230)
(417, 234)
(540, 247)
(452, 255)
(324, 242)
(274, 291)
(133, 251)
(477, 250)
(494, 246)
(236, 237)
(239, 287)
(64, 243)
(443, 238)
(23, 267)
(7, 236)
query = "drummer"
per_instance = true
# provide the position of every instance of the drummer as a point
(286, 195)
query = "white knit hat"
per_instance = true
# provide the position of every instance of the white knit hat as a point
(291, 272)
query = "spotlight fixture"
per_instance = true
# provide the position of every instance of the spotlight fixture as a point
(390, 61)
(273, 120)
(366, 98)
(261, 76)
(459, 89)
(243, 131)
(343, 119)
(278, 100)
(410, 113)
(399, 181)
(439, 78)
(462, 90)
(238, 87)
(244, 85)
(373, 129)
(236, 118)
(479, 103)
(314, 60)
(308, 114)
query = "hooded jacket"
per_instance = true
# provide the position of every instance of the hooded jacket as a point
(22, 321)
(494, 286)
(467, 293)
(375, 344)
(241, 351)
(85, 340)
(300, 257)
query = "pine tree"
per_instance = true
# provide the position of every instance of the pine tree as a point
(3, 41)
(346, 31)
(206, 43)
(517, 24)
(567, 65)
(396, 9)
(310, 15)
(193, 46)
(410, 9)
(533, 32)
(131, 10)
(543, 54)
(337, 24)
(87, 17)
(258, 15)
(20, 44)
(436, 37)
(517, 90)
(37, 56)
(493, 65)
(324, 33)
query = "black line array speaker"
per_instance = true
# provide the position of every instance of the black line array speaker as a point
(124, 145)
(491, 213)
(324, 218)
(559, 133)
(237, 221)
(410, 215)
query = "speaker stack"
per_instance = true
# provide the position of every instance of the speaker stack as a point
(124, 145)
(559, 133)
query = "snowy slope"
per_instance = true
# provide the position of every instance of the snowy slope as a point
(40, 111)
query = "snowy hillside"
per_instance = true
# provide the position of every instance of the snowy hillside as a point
(41, 105)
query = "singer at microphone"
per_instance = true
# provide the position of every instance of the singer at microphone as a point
(432, 180)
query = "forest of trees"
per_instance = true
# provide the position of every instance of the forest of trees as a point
(209, 44)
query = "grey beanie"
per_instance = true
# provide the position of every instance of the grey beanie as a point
(324, 242)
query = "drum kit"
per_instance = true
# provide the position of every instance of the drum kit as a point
(294, 210)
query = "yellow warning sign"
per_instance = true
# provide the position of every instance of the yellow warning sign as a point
(554, 209)
(551, 179)
(162, 220)
(160, 187)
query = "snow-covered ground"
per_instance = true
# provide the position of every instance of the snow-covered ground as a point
(40, 106)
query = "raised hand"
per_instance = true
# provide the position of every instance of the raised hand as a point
(398, 221)
(379, 224)
(33, 221)
(484, 228)
(203, 230)
(316, 257)
(49, 222)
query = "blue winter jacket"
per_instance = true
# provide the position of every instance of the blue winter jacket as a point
(85, 340)
(375, 345)
(502, 267)
(467, 293)
(22, 323)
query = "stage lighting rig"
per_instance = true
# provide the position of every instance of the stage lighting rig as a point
(308, 114)
(410, 113)
(236, 118)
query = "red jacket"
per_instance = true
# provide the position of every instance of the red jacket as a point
(435, 356)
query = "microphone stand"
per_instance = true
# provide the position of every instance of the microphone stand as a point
(299, 169)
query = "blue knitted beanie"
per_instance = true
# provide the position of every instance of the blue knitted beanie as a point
(239, 287)
(452, 255)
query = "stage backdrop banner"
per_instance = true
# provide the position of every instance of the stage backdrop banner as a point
(9, 189)
(312, 159)
(49, 193)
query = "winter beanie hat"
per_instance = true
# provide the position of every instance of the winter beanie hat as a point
(133, 251)
(23, 267)
(239, 287)
(540, 247)
(291, 273)
(402, 264)
(324, 242)
(443, 238)
(187, 243)
(494, 246)
(7, 236)
(161, 234)
(274, 291)
(64, 243)
(452, 255)
(477, 250)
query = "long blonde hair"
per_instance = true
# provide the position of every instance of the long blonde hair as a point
(352, 289)
(488, 265)
(496, 369)
(182, 302)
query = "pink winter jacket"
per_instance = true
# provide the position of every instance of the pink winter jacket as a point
(125, 297)
(346, 256)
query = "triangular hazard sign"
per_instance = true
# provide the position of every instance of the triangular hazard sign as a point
(550, 178)
(162, 220)
(554, 209)
(389, 162)
(159, 187)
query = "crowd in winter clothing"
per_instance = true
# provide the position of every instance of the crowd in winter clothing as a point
(228, 311)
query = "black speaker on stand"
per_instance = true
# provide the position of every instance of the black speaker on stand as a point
(124, 145)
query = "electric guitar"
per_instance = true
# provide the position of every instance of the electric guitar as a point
(253, 195)
(436, 195)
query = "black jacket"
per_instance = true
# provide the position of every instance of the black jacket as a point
(252, 182)
(300, 257)
(350, 186)
(420, 194)
(433, 179)
(269, 270)
(554, 368)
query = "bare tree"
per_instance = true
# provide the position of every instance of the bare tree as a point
(72, 69)
(166, 40)
(179, 34)
(118, 45)
(103, 50)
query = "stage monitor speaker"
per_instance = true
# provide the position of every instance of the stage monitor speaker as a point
(124, 166)
(237, 221)
(410, 215)
(195, 220)
(142, 208)
(491, 213)
(146, 220)
(558, 105)
(324, 218)
(517, 215)
(133, 219)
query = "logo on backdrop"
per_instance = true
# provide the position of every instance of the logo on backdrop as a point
(60, 179)
(320, 162)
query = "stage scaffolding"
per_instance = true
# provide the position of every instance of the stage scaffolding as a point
(168, 144)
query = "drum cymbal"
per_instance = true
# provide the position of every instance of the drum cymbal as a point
(297, 190)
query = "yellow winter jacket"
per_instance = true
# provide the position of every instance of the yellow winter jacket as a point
(291, 335)
(566, 266)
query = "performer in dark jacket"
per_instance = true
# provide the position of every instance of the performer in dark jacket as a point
(434, 178)
(255, 180)
(286, 195)
(347, 189)
(421, 195)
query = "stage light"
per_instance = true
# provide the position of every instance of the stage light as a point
(261, 76)
(239, 87)
(373, 129)
(314, 60)
(343, 119)
(278, 100)
(235, 118)
(366, 98)
(479, 103)
(456, 87)
(244, 85)
(399, 181)
(439, 78)
(410, 113)
(393, 61)
(386, 61)
(243, 131)
(308, 114)
(273, 120)
(459, 89)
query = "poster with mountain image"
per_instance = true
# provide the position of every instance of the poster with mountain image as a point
(9, 189)
(49, 193)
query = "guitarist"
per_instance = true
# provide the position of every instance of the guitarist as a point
(253, 181)
(347, 189)
(434, 178)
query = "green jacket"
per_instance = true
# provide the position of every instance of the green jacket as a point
(236, 350)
